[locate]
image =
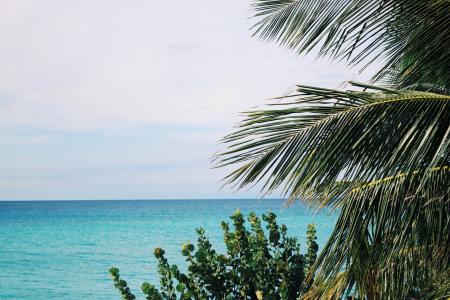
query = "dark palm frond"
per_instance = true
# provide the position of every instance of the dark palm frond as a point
(410, 36)
(440, 287)
(388, 237)
(315, 137)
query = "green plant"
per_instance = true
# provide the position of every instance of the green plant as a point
(381, 157)
(379, 154)
(311, 255)
(408, 38)
(256, 265)
(121, 285)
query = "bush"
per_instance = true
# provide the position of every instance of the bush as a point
(255, 266)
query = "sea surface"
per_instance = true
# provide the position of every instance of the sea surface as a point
(63, 249)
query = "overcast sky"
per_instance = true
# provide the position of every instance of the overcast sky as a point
(128, 99)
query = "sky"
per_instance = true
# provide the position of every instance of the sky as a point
(122, 99)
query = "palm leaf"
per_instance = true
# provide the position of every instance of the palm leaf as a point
(410, 36)
(388, 236)
(314, 137)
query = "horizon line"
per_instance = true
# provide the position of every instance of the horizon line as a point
(138, 199)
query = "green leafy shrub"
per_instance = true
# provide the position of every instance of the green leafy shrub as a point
(121, 285)
(255, 266)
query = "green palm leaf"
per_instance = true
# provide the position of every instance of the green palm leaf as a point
(388, 237)
(410, 36)
(314, 137)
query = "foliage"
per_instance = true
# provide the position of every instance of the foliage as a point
(258, 264)
(121, 285)
(311, 254)
(391, 243)
(379, 155)
(314, 137)
(382, 158)
(411, 37)
(439, 287)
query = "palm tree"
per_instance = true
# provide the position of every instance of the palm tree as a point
(380, 155)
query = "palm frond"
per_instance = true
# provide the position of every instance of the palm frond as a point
(315, 137)
(440, 287)
(410, 36)
(329, 289)
(388, 237)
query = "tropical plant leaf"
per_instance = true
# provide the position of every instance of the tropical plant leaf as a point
(388, 237)
(409, 36)
(315, 137)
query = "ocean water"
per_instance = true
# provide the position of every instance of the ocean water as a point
(63, 249)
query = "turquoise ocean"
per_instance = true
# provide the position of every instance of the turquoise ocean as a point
(63, 249)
